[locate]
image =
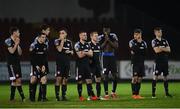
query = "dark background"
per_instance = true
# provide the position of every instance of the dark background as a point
(127, 15)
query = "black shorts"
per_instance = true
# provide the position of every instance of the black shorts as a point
(109, 65)
(62, 70)
(161, 68)
(83, 72)
(14, 71)
(38, 74)
(138, 69)
(96, 70)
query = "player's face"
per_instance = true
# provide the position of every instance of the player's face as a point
(137, 35)
(46, 31)
(158, 33)
(94, 37)
(62, 34)
(17, 33)
(42, 38)
(83, 36)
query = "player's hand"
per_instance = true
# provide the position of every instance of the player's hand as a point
(43, 69)
(38, 68)
(17, 41)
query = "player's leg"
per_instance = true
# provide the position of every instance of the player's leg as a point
(43, 81)
(17, 69)
(165, 79)
(90, 88)
(58, 81)
(113, 69)
(134, 86)
(98, 86)
(79, 78)
(19, 88)
(156, 73)
(57, 86)
(64, 88)
(13, 82)
(32, 87)
(140, 77)
(105, 76)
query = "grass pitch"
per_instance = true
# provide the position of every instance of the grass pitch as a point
(124, 99)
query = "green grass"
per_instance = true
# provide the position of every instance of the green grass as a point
(124, 98)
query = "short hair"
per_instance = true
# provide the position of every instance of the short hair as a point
(138, 31)
(44, 27)
(41, 34)
(63, 29)
(93, 32)
(82, 31)
(157, 28)
(13, 29)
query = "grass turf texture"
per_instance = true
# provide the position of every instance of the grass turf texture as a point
(124, 98)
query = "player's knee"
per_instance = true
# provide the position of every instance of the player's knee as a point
(134, 79)
(165, 78)
(18, 81)
(155, 77)
(33, 80)
(64, 82)
(139, 79)
(98, 79)
(88, 81)
(44, 80)
(58, 80)
(114, 77)
(79, 82)
(105, 77)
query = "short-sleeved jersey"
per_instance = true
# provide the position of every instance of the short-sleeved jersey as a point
(67, 46)
(138, 51)
(96, 48)
(82, 47)
(162, 56)
(38, 53)
(112, 36)
(46, 41)
(12, 58)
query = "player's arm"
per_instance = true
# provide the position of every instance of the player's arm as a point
(156, 48)
(70, 51)
(19, 50)
(132, 47)
(166, 49)
(13, 49)
(89, 53)
(104, 43)
(60, 47)
(113, 43)
(79, 53)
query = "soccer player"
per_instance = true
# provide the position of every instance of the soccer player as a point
(64, 50)
(14, 52)
(38, 73)
(44, 28)
(162, 49)
(95, 62)
(138, 49)
(84, 52)
(109, 43)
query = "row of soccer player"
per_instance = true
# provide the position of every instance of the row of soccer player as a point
(88, 62)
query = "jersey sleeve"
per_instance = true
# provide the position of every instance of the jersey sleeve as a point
(8, 43)
(77, 47)
(56, 42)
(153, 43)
